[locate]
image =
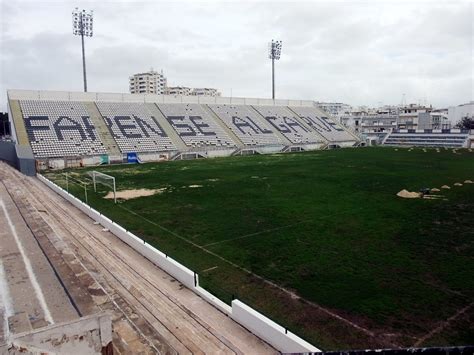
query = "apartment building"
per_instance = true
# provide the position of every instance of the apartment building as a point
(151, 82)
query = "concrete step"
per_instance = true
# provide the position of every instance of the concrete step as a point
(175, 138)
(102, 130)
(226, 129)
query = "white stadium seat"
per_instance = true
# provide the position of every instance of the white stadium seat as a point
(247, 125)
(319, 122)
(195, 126)
(60, 129)
(282, 119)
(134, 128)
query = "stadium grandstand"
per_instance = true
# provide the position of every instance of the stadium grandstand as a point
(447, 138)
(67, 129)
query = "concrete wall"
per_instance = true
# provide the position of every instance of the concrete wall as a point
(8, 153)
(116, 97)
(86, 335)
(250, 319)
(26, 162)
(283, 340)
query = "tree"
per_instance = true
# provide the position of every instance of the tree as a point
(466, 123)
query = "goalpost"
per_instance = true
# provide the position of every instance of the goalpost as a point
(104, 179)
(78, 182)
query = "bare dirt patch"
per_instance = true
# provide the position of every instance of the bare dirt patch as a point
(468, 181)
(130, 194)
(445, 187)
(408, 194)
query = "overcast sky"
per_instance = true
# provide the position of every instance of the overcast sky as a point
(361, 53)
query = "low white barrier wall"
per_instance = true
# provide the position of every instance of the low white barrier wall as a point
(263, 327)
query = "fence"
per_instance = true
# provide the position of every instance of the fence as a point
(269, 331)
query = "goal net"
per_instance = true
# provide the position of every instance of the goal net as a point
(104, 179)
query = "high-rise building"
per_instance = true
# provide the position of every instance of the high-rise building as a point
(151, 82)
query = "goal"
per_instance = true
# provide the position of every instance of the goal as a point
(104, 179)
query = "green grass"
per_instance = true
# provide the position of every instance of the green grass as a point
(326, 225)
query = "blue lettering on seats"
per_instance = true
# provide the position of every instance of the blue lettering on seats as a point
(31, 129)
(123, 127)
(241, 123)
(189, 130)
(72, 126)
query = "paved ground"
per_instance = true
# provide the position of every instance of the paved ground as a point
(153, 313)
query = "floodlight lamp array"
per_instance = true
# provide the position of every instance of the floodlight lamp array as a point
(82, 22)
(274, 49)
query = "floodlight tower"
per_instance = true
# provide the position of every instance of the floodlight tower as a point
(82, 26)
(274, 51)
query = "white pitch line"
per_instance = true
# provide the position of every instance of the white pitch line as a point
(6, 304)
(29, 268)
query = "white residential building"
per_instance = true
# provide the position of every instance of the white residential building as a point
(457, 113)
(205, 92)
(177, 90)
(151, 82)
(414, 116)
(335, 108)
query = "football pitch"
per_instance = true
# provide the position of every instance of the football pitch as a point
(317, 241)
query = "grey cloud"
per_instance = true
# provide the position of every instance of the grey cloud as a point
(359, 53)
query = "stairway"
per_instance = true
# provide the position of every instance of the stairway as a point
(103, 131)
(285, 141)
(226, 129)
(19, 123)
(175, 138)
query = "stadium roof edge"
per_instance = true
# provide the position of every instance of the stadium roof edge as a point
(151, 98)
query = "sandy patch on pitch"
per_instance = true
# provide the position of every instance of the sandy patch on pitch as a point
(435, 190)
(445, 187)
(408, 194)
(130, 194)
(468, 181)
(194, 186)
(457, 184)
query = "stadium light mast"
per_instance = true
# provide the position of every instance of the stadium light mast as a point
(274, 52)
(82, 26)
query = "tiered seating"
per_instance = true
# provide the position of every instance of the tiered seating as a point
(134, 128)
(325, 126)
(195, 126)
(426, 139)
(60, 129)
(246, 124)
(285, 121)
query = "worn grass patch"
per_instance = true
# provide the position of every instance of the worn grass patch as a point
(326, 226)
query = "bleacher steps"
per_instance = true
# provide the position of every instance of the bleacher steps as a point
(102, 130)
(19, 123)
(169, 130)
(283, 139)
(305, 125)
(226, 129)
